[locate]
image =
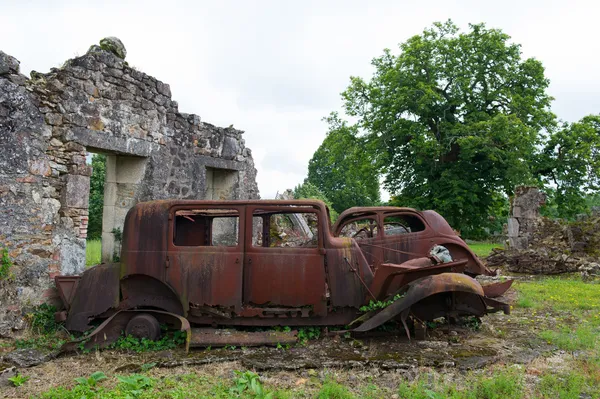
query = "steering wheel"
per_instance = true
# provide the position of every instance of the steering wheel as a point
(367, 230)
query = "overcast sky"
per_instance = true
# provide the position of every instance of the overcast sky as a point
(275, 68)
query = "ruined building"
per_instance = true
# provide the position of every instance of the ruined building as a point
(95, 103)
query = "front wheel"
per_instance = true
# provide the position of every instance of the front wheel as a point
(143, 326)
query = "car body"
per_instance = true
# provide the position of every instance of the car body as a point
(265, 263)
(397, 234)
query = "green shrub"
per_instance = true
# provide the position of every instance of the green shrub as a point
(5, 265)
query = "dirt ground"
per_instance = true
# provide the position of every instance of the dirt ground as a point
(383, 360)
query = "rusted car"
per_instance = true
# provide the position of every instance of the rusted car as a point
(267, 263)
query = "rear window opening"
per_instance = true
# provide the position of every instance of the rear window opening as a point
(285, 229)
(402, 224)
(206, 227)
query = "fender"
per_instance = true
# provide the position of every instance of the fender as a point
(97, 291)
(110, 330)
(420, 289)
(141, 290)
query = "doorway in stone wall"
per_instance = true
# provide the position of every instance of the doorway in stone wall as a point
(114, 189)
(93, 250)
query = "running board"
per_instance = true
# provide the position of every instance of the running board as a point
(204, 337)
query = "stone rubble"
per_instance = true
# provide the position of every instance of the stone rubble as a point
(539, 245)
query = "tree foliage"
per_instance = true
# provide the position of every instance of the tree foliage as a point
(454, 120)
(569, 166)
(343, 169)
(307, 190)
(96, 196)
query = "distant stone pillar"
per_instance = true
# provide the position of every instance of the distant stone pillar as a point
(524, 215)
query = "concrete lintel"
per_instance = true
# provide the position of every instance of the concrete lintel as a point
(220, 163)
(92, 139)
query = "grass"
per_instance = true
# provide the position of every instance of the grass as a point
(483, 249)
(500, 383)
(570, 313)
(93, 252)
(559, 293)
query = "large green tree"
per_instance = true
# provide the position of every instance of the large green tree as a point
(569, 166)
(454, 118)
(343, 169)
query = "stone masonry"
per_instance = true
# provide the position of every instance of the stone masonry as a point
(95, 103)
(524, 215)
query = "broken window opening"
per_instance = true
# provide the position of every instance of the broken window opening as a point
(206, 227)
(402, 224)
(285, 229)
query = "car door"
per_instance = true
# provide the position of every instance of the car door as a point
(284, 260)
(206, 253)
(365, 230)
(402, 236)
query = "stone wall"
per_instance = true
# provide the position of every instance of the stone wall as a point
(96, 103)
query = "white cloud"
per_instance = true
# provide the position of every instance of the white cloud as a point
(274, 69)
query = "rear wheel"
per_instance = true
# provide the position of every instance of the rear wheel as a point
(143, 326)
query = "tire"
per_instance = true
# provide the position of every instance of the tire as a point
(143, 326)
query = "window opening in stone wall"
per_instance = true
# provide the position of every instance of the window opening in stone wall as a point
(206, 227)
(402, 224)
(285, 229)
(220, 184)
(360, 229)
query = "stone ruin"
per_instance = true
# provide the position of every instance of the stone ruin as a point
(539, 245)
(95, 103)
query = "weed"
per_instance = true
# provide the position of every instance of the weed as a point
(249, 382)
(147, 366)
(506, 384)
(376, 305)
(18, 380)
(42, 321)
(5, 265)
(40, 342)
(281, 347)
(132, 344)
(333, 390)
(472, 323)
(135, 384)
(308, 333)
(117, 233)
(569, 386)
(92, 380)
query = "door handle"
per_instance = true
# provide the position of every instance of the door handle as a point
(249, 261)
(237, 260)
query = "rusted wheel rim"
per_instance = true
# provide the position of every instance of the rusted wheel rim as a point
(143, 326)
